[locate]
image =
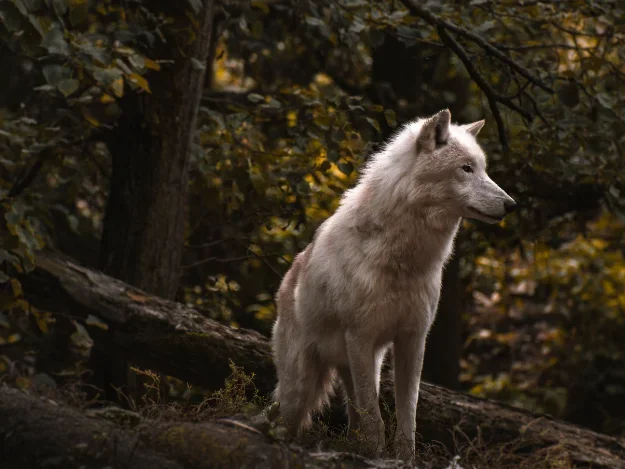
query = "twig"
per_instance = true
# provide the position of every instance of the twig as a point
(225, 260)
(261, 258)
(541, 46)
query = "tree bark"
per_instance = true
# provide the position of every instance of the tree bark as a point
(444, 343)
(168, 337)
(144, 224)
(143, 233)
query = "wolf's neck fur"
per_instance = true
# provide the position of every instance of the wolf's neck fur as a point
(401, 230)
(388, 207)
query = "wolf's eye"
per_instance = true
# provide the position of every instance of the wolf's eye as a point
(467, 168)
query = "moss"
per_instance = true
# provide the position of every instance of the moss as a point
(197, 447)
(116, 415)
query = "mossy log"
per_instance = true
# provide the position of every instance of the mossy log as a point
(171, 338)
(37, 432)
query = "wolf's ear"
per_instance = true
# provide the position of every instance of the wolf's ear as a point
(475, 127)
(435, 131)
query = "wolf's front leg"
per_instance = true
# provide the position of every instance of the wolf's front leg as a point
(361, 358)
(409, 348)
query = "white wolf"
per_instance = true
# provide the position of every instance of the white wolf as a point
(371, 277)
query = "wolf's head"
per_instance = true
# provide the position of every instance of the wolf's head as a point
(444, 168)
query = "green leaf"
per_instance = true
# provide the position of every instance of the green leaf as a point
(346, 168)
(605, 100)
(303, 188)
(196, 5)
(314, 21)
(374, 123)
(357, 26)
(325, 166)
(137, 61)
(273, 104)
(60, 6)
(255, 98)
(78, 11)
(68, 86)
(390, 117)
(409, 36)
(106, 76)
(54, 41)
(6, 256)
(11, 17)
(53, 74)
(33, 5)
(333, 155)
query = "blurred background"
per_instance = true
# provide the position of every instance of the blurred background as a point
(297, 95)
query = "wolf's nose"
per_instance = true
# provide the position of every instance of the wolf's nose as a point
(509, 207)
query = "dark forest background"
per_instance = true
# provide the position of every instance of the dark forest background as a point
(191, 148)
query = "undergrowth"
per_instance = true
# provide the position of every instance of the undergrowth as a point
(239, 397)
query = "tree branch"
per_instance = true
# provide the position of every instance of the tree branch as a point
(22, 183)
(422, 12)
(481, 82)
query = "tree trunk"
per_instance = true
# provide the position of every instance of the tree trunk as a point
(444, 343)
(171, 338)
(143, 234)
(144, 224)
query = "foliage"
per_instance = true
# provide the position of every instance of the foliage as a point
(295, 103)
(548, 326)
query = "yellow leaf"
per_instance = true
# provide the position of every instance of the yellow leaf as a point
(149, 63)
(140, 82)
(138, 297)
(89, 117)
(96, 322)
(118, 87)
(22, 304)
(17, 287)
(43, 325)
(106, 98)
(13, 338)
(124, 50)
(261, 6)
(22, 382)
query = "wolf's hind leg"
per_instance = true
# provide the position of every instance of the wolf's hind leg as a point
(304, 386)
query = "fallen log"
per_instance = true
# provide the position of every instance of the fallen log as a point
(153, 333)
(37, 432)
(171, 338)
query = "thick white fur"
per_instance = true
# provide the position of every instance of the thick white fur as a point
(371, 278)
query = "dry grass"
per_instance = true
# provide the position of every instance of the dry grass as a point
(239, 397)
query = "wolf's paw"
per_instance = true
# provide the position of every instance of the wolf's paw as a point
(372, 434)
(404, 448)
